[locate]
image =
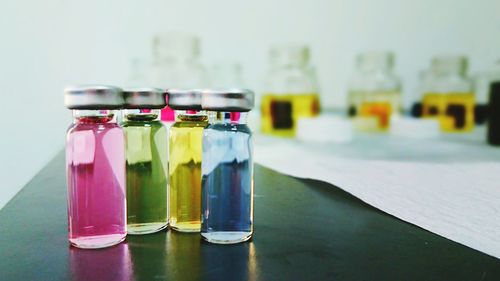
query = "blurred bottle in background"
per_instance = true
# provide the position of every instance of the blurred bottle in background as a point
(482, 84)
(291, 91)
(226, 75)
(176, 65)
(449, 96)
(374, 92)
(137, 76)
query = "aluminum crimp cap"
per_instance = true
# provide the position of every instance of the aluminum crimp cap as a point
(228, 100)
(146, 98)
(93, 97)
(180, 99)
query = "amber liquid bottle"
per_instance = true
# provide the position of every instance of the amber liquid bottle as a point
(374, 92)
(449, 97)
(291, 91)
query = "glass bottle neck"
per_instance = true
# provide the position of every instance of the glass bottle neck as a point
(224, 117)
(372, 62)
(191, 115)
(144, 115)
(94, 116)
(292, 56)
(175, 60)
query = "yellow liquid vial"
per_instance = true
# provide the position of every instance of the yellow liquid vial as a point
(185, 152)
(280, 112)
(374, 110)
(454, 111)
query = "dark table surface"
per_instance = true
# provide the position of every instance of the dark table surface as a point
(304, 230)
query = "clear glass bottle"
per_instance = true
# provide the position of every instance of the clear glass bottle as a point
(146, 156)
(95, 167)
(185, 147)
(291, 91)
(374, 92)
(226, 75)
(227, 169)
(137, 73)
(449, 97)
(176, 65)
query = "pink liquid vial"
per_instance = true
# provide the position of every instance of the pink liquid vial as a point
(95, 168)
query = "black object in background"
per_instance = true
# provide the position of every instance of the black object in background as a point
(352, 111)
(433, 111)
(416, 110)
(457, 111)
(480, 114)
(281, 113)
(494, 114)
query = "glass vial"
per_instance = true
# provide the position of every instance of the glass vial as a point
(146, 156)
(227, 169)
(95, 168)
(176, 64)
(291, 91)
(374, 92)
(449, 97)
(184, 169)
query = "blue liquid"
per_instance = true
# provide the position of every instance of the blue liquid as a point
(227, 184)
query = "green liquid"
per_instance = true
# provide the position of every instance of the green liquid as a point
(147, 166)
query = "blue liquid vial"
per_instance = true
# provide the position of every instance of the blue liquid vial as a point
(227, 168)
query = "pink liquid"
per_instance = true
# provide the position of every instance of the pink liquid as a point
(95, 166)
(167, 113)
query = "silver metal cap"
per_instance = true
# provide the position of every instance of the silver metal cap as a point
(184, 99)
(152, 98)
(228, 100)
(93, 97)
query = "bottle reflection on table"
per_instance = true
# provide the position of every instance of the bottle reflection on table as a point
(112, 263)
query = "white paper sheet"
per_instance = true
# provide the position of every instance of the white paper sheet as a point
(449, 187)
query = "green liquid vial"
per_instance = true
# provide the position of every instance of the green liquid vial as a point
(146, 162)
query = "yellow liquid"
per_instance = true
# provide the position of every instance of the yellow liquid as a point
(373, 110)
(454, 111)
(185, 150)
(281, 112)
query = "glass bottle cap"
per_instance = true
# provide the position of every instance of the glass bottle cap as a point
(289, 55)
(375, 60)
(184, 99)
(449, 64)
(228, 100)
(149, 98)
(93, 97)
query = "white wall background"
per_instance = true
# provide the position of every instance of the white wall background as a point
(46, 45)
